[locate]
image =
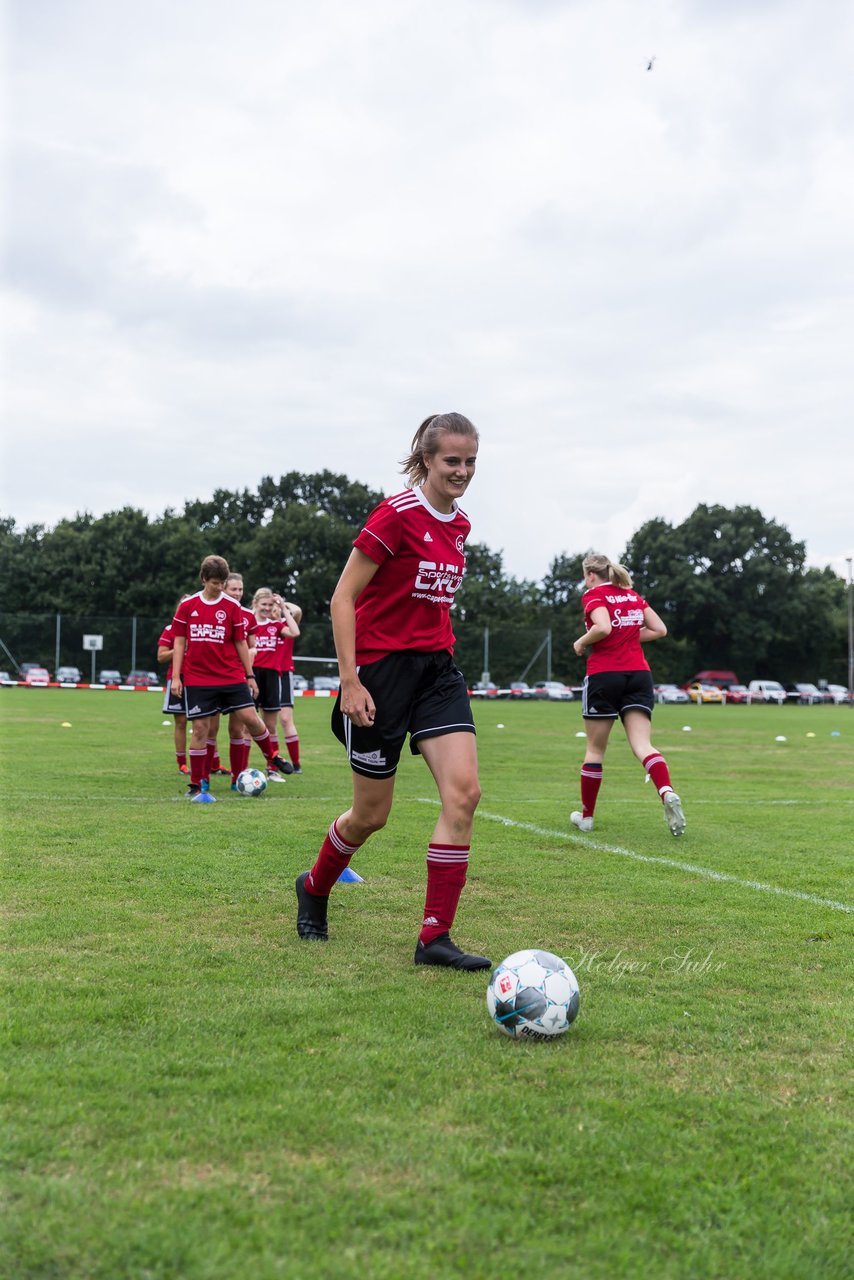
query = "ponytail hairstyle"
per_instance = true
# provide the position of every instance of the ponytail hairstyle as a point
(617, 574)
(427, 440)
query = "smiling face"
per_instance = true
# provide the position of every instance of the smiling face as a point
(449, 471)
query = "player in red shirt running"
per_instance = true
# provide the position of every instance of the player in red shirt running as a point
(285, 663)
(211, 667)
(618, 683)
(393, 637)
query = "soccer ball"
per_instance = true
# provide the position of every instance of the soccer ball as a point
(251, 782)
(533, 995)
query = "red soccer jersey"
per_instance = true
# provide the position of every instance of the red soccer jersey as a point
(421, 554)
(211, 628)
(621, 650)
(265, 653)
(166, 641)
(249, 620)
(285, 653)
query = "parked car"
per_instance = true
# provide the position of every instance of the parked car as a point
(838, 693)
(37, 675)
(722, 679)
(5, 678)
(670, 693)
(553, 690)
(28, 666)
(519, 689)
(737, 693)
(487, 690)
(298, 682)
(143, 679)
(805, 693)
(699, 692)
(68, 675)
(109, 677)
(767, 691)
(329, 683)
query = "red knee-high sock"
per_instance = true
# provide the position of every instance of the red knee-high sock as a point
(292, 745)
(211, 756)
(236, 755)
(181, 757)
(447, 865)
(656, 767)
(274, 743)
(263, 743)
(591, 781)
(198, 765)
(247, 751)
(334, 856)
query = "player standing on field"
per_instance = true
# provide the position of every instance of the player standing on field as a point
(285, 663)
(211, 667)
(394, 641)
(265, 665)
(239, 742)
(618, 683)
(173, 706)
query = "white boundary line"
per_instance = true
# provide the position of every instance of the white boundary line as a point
(706, 872)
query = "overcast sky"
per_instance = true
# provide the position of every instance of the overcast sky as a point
(247, 238)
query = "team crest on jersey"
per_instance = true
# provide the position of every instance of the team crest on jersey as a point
(221, 615)
(460, 544)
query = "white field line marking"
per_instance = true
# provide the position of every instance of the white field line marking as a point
(706, 872)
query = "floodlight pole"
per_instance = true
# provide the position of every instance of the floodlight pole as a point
(850, 635)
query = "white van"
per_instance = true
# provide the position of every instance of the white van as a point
(767, 691)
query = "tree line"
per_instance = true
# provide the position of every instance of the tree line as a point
(732, 585)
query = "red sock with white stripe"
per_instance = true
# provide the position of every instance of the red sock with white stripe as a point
(198, 765)
(211, 756)
(181, 757)
(292, 745)
(236, 754)
(247, 751)
(656, 767)
(447, 865)
(334, 857)
(263, 743)
(591, 781)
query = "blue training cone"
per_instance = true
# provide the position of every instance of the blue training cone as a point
(349, 876)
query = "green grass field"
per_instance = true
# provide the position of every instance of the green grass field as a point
(192, 1092)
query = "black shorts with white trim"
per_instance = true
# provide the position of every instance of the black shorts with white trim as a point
(422, 694)
(609, 694)
(201, 700)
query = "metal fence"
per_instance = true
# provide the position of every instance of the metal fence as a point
(130, 644)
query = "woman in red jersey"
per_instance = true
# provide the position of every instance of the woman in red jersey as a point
(265, 665)
(173, 706)
(288, 611)
(618, 683)
(394, 641)
(211, 668)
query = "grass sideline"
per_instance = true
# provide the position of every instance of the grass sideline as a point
(191, 1092)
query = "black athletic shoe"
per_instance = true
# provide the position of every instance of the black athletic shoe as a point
(443, 950)
(193, 789)
(296, 769)
(311, 912)
(283, 766)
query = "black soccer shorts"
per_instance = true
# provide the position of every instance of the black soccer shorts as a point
(608, 694)
(269, 689)
(201, 700)
(422, 694)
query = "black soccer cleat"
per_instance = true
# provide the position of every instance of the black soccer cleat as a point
(283, 766)
(311, 912)
(443, 950)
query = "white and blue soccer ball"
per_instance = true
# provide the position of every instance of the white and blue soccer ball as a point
(533, 995)
(251, 782)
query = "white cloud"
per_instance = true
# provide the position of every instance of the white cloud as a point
(245, 241)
